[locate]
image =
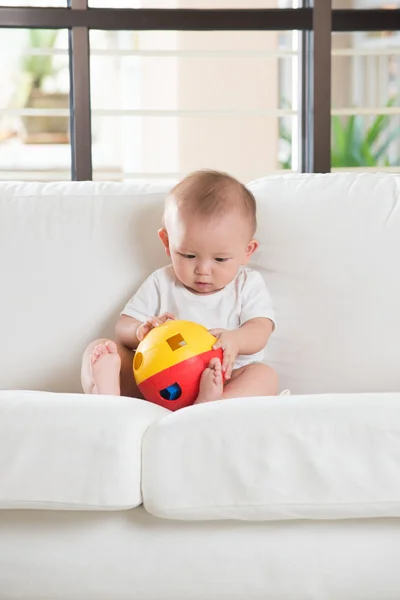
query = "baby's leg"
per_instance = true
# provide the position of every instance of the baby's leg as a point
(255, 379)
(107, 369)
(211, 383)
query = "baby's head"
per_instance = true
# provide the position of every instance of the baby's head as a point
(208, 228)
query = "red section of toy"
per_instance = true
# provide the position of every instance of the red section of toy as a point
(178, 386)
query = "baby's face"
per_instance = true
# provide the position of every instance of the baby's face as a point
(206, 252)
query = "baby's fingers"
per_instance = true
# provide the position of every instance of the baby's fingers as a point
(229, 370)
(147, 326)
(227, 365)
(215, 332)
(143, 330)
(155, 322)
(167, 316)
(152, 322)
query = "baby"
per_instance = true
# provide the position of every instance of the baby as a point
(208, 228)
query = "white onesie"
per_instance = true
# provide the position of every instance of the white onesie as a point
(246, 297)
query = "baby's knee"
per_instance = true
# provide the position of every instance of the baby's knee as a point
(268, 375)
(273, 377)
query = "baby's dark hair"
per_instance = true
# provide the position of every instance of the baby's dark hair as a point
(213, 193)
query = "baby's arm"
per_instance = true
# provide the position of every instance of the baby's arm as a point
(126, 332)
(129, 330)
(249, 338)
(253, 335)
(255, 330)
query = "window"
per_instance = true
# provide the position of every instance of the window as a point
(37, 3)
(34, 105)
(197, 4)
(166, 104)
(123, 89)
(366, 101)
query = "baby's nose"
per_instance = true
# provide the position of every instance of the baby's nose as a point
(202, 269)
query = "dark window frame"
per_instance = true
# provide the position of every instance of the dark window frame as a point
(315, 20)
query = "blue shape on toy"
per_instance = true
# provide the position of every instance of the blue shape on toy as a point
(172, 392)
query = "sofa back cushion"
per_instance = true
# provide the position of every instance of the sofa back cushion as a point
(71, 254)
(330, 251)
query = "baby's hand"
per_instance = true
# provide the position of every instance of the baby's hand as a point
(226, 341)
(152, 322)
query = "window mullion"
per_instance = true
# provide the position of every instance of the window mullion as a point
(81, 133)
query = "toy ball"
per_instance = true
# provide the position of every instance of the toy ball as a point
(169, 362)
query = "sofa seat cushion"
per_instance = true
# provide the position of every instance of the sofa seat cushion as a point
(70, 451)
(300, 457)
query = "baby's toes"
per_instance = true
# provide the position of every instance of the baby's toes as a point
(111, 347)
(215, 364)
(207, 373)
(218, 377)
(217, 368)
(97, 351)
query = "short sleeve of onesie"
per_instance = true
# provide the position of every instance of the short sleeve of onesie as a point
(256, 300)
(146, 301)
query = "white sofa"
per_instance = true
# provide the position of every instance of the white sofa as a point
(291, 498)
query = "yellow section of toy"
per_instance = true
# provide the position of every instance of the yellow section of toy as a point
(169, 344)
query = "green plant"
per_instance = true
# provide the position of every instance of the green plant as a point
(356, 146)
(40, 66)
(286, 137)
(353, 145)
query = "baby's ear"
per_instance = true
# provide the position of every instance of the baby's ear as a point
(250, 249)
(163, 235)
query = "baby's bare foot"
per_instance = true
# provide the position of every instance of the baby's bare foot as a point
(211, 384)
(106, 364)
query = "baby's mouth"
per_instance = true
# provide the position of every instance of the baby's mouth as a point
(201, 287)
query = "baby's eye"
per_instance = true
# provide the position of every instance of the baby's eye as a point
(220, 260)
(187, 255)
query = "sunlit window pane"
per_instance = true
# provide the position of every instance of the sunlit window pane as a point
(165, 103)
(186, 3)
(48, 3)
(366, 4)
(34, 105)
(366, 101)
